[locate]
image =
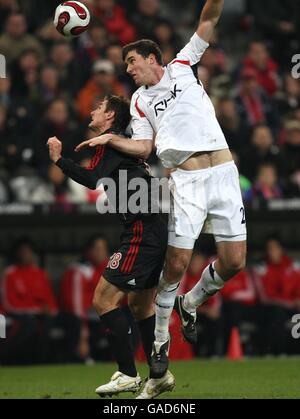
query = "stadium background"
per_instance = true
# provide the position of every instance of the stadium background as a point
(53, 83)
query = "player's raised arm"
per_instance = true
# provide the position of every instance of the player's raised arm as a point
(141, 149)
(140, 145)
(198, 44)
(209, 18)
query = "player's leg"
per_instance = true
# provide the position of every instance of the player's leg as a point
(185, 224)
(106, 301)
(177, 261)
(227, 222)
(231, 260)
(141, 304)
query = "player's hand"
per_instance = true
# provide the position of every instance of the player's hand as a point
(55, 148)
(93, 142)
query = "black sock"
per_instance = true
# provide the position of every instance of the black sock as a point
(120, 341)
(146, 328)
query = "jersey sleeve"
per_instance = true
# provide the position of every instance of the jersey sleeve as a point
(105, 161)
(140, 125)
(193, 51)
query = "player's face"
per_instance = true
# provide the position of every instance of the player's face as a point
(98, 116)
(139, 68)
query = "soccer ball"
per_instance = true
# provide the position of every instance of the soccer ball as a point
(71, 18)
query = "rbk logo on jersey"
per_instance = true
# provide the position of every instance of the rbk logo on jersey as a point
(163, 104)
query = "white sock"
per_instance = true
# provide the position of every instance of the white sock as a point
(164, 306)
(209, 284)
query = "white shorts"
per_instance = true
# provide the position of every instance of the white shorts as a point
(207, 201)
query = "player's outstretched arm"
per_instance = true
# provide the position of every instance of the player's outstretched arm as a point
(137, 148)
(209, 18)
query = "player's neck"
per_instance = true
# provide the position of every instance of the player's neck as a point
(104, 128)
(158, 74)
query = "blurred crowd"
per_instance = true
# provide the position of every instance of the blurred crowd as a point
(58, 324)
(53, 83)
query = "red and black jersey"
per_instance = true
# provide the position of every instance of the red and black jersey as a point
(110, 163)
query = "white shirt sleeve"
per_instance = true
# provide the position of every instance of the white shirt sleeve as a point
(194, 50)
(140, 126)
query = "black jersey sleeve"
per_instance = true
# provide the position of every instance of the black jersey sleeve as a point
(103, 164)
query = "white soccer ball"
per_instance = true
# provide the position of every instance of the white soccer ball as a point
(71, 18)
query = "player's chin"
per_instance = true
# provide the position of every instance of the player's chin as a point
(137, 82)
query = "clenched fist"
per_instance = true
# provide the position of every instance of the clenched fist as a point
(55, 148)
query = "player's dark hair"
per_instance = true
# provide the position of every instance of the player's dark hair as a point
(121, 107)
(144, 47)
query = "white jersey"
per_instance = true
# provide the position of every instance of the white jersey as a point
(177, 112)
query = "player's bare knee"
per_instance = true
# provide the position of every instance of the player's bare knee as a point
(176, 267)
(101, 305)
(97, 303)
(235, 264)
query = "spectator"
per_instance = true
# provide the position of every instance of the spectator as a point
(57, 121)
(146, 17)
(92, 45)
(62, 56)
(229, 120)
(278, 298)
(26, 88)
(245, 183)
(49, 86)
(214, 60)
(6, 8)
(253, 105)
(165, 35)
(266, 69)
(261, 150)
(76, 296)
(290, 156)
(103, 82)
(289, 97)
(115, 56)
(15, 38)
(19, 122)
(28, 299)
(278, 22)
(266, 186)
(114, 19)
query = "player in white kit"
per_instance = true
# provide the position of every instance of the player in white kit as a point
(173, 111)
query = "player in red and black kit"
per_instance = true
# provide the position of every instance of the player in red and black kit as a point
(135, 268)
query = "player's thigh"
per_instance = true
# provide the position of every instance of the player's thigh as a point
(141, 303)
(226, 212)
(188, 208)
(232, 254)
(106, 296)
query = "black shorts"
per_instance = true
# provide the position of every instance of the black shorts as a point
(137, 264)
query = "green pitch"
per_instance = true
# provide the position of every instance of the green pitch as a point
(255, 378)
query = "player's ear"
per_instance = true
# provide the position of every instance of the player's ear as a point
(152, 59)
(110, 115)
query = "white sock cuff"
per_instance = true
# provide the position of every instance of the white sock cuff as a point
(163, 285)
(214, 274)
